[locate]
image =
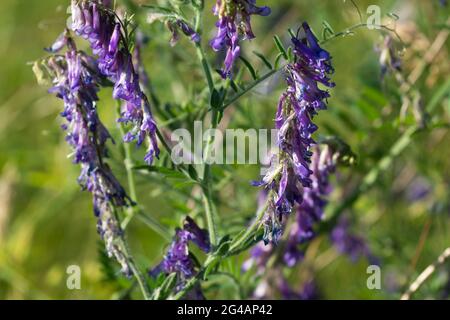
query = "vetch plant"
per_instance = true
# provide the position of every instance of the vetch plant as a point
(105, 47)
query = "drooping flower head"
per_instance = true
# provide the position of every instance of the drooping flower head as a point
(95, 21)
(176, 25)
(75, 77)
(232, 26)
(178, 259)
(310, 212)
(290, 169)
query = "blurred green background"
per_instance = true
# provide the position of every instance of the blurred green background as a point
(46, 222)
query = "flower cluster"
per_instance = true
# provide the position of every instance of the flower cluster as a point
(290, 168)
(310, 211)
(234, 21)
(176, 25)
(350, 244)
(75, 79)
(178, 259)
(94, 21)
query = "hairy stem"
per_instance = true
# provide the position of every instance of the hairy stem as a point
(252, 228)
(136, 272)
(133, 210)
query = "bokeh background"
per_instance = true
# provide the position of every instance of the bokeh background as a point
(46, 222)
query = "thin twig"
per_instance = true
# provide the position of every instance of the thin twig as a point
(426, 274)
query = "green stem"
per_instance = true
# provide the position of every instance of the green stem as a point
(253, 227)
(206, 188)
(128, 162)
(205, 65)
(133, 210)
(136, 272)
(209, 213)
(250, 87)
(125, 249)
(154, 225)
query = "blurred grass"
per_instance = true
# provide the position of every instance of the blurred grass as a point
(46, 223)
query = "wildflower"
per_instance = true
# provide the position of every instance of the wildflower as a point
(175, 25)
(75, 78)
(259, 256)
(349, 243)
(290, 170)
(234, 22)
(178, 259)
(96, 23)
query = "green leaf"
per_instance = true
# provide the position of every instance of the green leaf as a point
(327, 30)
(160, 13)
(263, 59)
(277, 60)
(165, 289)
(216, 99)
(393, 16)
(167, 172)
(280, 47)
(249, 67)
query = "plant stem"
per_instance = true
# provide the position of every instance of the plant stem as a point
(136, 272)
(426, 274)
(252, 228)
(133, 210)
(206, 187)
(128, 162)
(250, 87)
(153, 224)
(209, 213)
(205, 65)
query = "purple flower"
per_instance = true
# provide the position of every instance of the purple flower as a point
(349, 243)
(96, 23)
(178, 259)
(290, 171)
(75, 81)
(418, 189)
(234, 22)
(259, 256)
(175, 25)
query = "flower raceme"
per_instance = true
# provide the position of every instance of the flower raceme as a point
(234, 23)
(178, 259)
(75, 78)
(96, 22)
(307, 214)
(290, 170)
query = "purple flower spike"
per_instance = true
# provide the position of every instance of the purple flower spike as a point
(94, 21)
(178, 260)
(234, 22)
(75, 79)
(290, 175)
